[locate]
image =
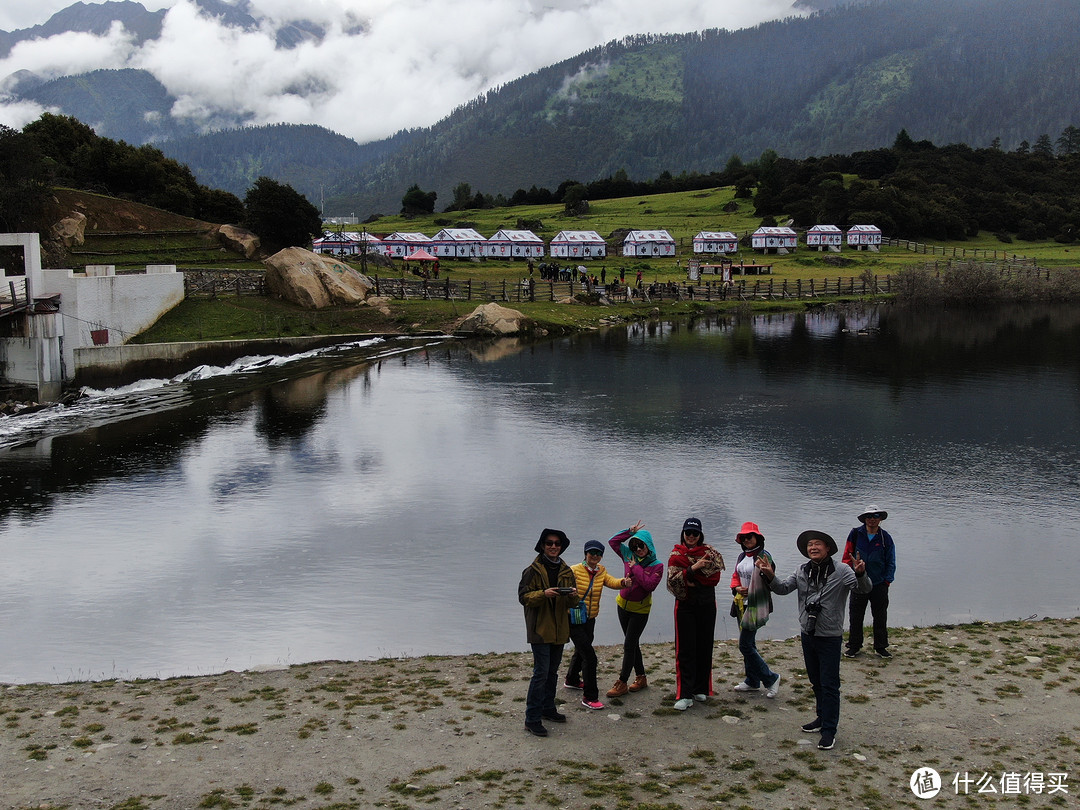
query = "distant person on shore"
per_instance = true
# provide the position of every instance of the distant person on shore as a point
(591, 578)
(823, 586)
(694, 569)
(547, 591)
(603, 275)
(874, 546)
(751, 606)
(642, 573)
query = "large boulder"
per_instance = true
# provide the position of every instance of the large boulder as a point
(493, 319)
(238, 240)
(314, 281)
(71, 230)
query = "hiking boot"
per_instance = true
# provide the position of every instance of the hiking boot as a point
(537, 729)
(592, 704)
(883, 654)
(743, 686)
(640, 682)
(812, 726)
(684, 704)
(773, 688)
(555, 716)
(619, 689)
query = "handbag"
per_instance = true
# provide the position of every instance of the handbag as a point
(579, 613)
(737, 606)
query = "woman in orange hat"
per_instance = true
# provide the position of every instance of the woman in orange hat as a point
(753, 610)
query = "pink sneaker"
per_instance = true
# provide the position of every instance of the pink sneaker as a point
(592, 704)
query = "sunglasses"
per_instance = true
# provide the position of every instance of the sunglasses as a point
(591, 553)
(692, 533)
(637, 546)
(553, 542)
(873, 516)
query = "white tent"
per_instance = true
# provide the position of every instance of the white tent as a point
(716, 242)
(458, 243)
(648, 243)
(578, 245)
(507, 244)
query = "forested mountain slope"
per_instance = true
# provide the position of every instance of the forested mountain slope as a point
(843, 80)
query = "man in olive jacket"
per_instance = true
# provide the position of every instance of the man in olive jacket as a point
(547, 590)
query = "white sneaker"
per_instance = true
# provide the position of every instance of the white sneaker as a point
(701, 698)
(772, 690)
(745, 687)
(684, 704)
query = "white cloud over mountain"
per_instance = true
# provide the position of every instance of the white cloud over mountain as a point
(382, 65)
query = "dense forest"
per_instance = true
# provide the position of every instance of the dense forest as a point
(911, 189)
(62, 151)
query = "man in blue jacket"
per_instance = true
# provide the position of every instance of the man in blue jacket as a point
(873, 545)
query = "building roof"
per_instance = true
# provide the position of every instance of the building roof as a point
(824, 229)
(716, 236)
(399, 236)
(577, 236)
(458, 235)
(781, 231)
(515, 236)
(648, 236)
(864, 229)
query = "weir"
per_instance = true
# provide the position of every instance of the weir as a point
(48, 314)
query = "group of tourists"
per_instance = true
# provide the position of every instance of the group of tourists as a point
(562, 602)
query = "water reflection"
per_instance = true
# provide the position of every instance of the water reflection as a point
(362, 506)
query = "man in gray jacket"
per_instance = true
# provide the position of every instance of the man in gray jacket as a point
(823, 586)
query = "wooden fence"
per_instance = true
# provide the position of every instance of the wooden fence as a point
(529, 290)
(212, 283)
(974, 254)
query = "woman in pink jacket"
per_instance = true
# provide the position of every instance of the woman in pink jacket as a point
(644, 571)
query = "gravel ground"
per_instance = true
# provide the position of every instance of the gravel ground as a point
(976, 699)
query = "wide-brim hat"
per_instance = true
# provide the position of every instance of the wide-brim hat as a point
(564, 540)
(873, 510)
(750, 528)
(811, 534)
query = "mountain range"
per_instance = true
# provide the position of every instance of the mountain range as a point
(842, 79)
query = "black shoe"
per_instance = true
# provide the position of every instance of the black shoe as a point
(812, 726)
(883, 654)
(536, 728)
(555, 717)
(850, 653)
(826, 742)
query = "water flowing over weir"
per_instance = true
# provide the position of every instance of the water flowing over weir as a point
(382, 499)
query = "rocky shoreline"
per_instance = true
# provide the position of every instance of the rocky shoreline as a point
(448, 731)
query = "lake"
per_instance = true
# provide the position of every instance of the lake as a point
(382, 499)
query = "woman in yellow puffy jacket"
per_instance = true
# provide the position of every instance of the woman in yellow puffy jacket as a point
(592, 578)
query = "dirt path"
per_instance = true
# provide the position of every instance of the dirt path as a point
(447, 732)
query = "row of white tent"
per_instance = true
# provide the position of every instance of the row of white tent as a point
(519, 244)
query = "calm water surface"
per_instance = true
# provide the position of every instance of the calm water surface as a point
(383, 499)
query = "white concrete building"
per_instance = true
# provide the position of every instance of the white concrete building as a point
(69, 310)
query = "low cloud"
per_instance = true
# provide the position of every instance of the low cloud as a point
(381, 65)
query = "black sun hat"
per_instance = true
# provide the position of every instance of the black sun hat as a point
(811, 534)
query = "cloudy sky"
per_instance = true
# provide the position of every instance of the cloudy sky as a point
(384, 65)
